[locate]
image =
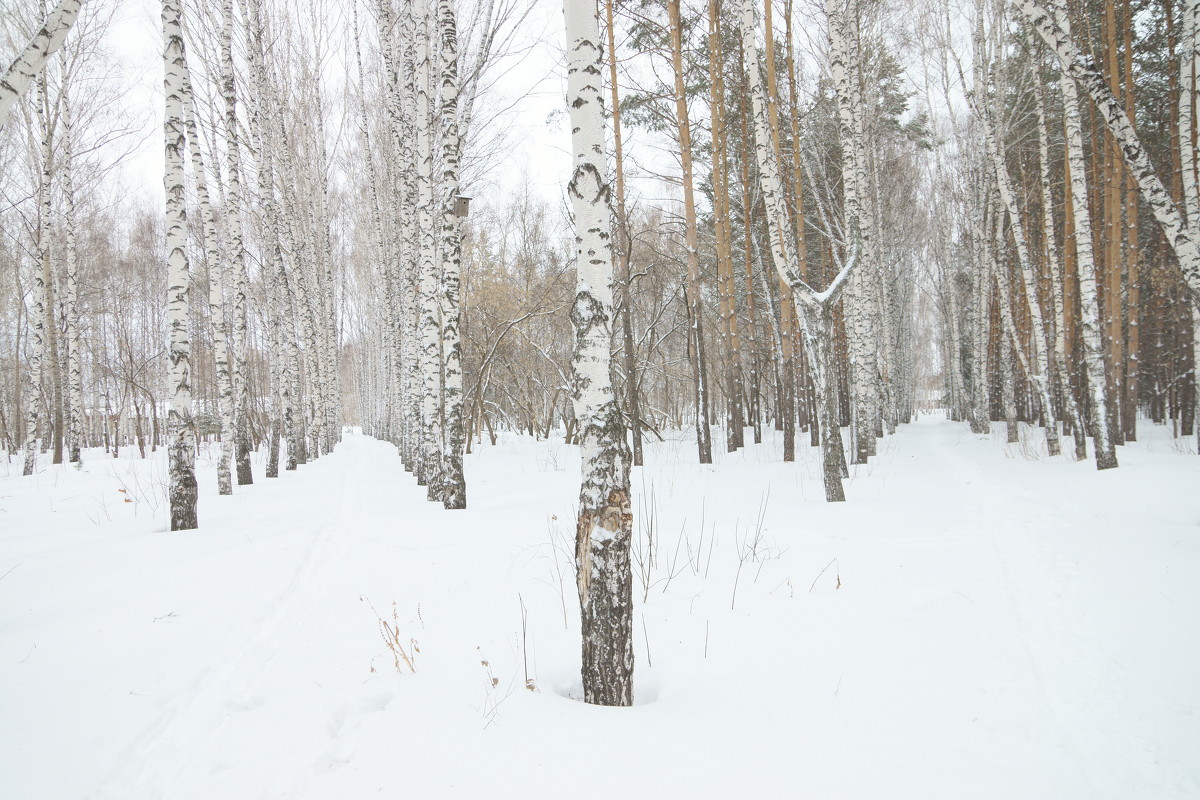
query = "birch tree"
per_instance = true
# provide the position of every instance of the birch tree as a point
(454, 486)
(430, 474)
(1106, 455)
(605, 521)
(32, 60)
(816, 307)
(235, 248)
(1182, 235)
(181, 457)
(216, 300)
(71, 257)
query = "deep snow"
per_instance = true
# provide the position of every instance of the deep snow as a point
(1006, 625)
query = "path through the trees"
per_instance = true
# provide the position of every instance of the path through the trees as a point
(970, 623)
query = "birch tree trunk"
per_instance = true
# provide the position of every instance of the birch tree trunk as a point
(32, 60)
(1061, 370)
(394, 231)
(216, 300)
(1055, 31)
(74, 354)
(53, 419)
(430, 307)
(605, 522)
(454, 485)
(748, 261)
(35, 409)
(181, 456)
(37, 335)
(843, 46)
(1040, 377)
(236, 249)
(412, 366)
(816, 307)
(1085, 264)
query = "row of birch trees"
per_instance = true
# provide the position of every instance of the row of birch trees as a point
(248, 239)
(1067, 283)
(873, 208)
(1040, 264)
(781, 289)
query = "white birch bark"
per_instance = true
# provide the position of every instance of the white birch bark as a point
(430, 307)
(71, 256)
(21, 73)
(1089, 307)
(454, 486)
(216, 299)
(34, 407)
(980, 287)
(235, 249)
(1040, 375)
(1055, 31)
(394, 229)
(181, 456)
(860, 330)
(408, 327)
(814, 307)
(277, 229)
(389, 339)
(605, 521)
(1188, 53)
(1078, 425)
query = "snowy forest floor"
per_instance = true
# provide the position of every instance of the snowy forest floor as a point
(975, 621)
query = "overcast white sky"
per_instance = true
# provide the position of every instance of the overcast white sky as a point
(529, 86)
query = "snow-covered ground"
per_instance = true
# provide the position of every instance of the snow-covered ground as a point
(975, 622)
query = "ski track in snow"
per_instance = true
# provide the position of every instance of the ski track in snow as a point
(179, 736)
(994, 627)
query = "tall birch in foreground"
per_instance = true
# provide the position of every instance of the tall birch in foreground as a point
(605, 517)
(180, 455)
(454, 485)
(430, 472)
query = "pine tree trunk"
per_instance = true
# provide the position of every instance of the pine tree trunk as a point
(694, 297)
(1055, 31)
(727, 299)
(817, 307)
(624, 247)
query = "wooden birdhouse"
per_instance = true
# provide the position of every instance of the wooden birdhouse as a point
(462, 206)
